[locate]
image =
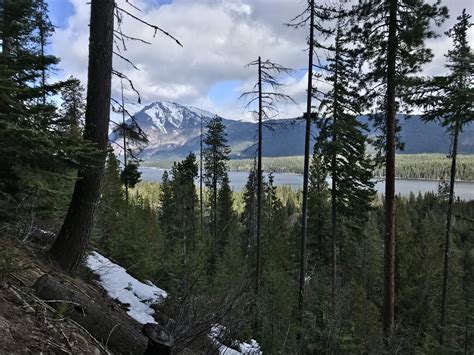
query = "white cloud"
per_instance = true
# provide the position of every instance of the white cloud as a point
(219, 37)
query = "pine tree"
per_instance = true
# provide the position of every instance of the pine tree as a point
(184, 208)
(109, 229)
(391, 34)
(310, 17)
(34, 152)
(342, 145)
(134, 141)
(449, 100)
(73, 238)
(248, 216)
(318, 212)
(72, 107)
(166, 210)
(216, 154)
(225, 214)
(277, 300)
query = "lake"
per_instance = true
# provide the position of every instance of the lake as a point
(464, 190)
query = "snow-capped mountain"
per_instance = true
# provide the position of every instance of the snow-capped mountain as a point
(169, 126)
(173, 131)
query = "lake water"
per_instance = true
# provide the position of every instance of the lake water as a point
(464, 190)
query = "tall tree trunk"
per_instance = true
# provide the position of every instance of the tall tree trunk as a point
(193, 217)
(70, 246)
(447, 238)
(214, 200)
(307, 142)
(42, 44)
(333, 233)
(259, 181)
(389, 247)
(334, 179)
(124, 130)
(201, 202)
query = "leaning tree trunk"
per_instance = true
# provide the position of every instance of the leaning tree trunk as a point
(447, 238)
(70, 246)
(389, 236)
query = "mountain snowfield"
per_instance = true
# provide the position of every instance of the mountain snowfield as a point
(174, 131)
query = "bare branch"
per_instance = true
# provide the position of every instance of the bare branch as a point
(121, 34)
(126, 60)
(156, 28)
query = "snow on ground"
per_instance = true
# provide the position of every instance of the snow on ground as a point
(140, 296)
(125, 288)
(251, 348)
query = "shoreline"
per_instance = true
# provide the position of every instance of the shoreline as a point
(382, 178)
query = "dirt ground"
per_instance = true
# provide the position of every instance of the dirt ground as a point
(29, 325)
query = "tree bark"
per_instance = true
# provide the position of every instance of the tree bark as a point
(259, 181)
(334, 179)
(214, 199)
(307, 142)
(447, 239)
(201, 200)
(124, 132)
(70, 246)
(389, 233)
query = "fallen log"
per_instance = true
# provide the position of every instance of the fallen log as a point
(104, 320)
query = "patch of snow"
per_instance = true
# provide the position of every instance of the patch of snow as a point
(199, 112)
(250, 348)
(121, 286)
(139, 296)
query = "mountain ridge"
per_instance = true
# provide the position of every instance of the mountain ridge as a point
(173, 131)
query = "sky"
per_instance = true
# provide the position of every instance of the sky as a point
(219, 38)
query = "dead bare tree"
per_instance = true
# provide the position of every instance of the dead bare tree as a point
(266, 93)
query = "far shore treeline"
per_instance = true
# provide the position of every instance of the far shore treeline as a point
(409, 166)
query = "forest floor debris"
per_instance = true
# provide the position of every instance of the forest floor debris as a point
(27, 324)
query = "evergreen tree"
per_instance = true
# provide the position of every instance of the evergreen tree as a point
(225, 214)
(449, 100)
(277, 300)
(391, 35)
(166, 210)
(248, 216)
(134, 141)
(72, 107)
(184, 204)
(34, 152)
(310, 18)
(342, 145)
(318, 212)
(177, 216)
(109, 230)
(216, 154)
